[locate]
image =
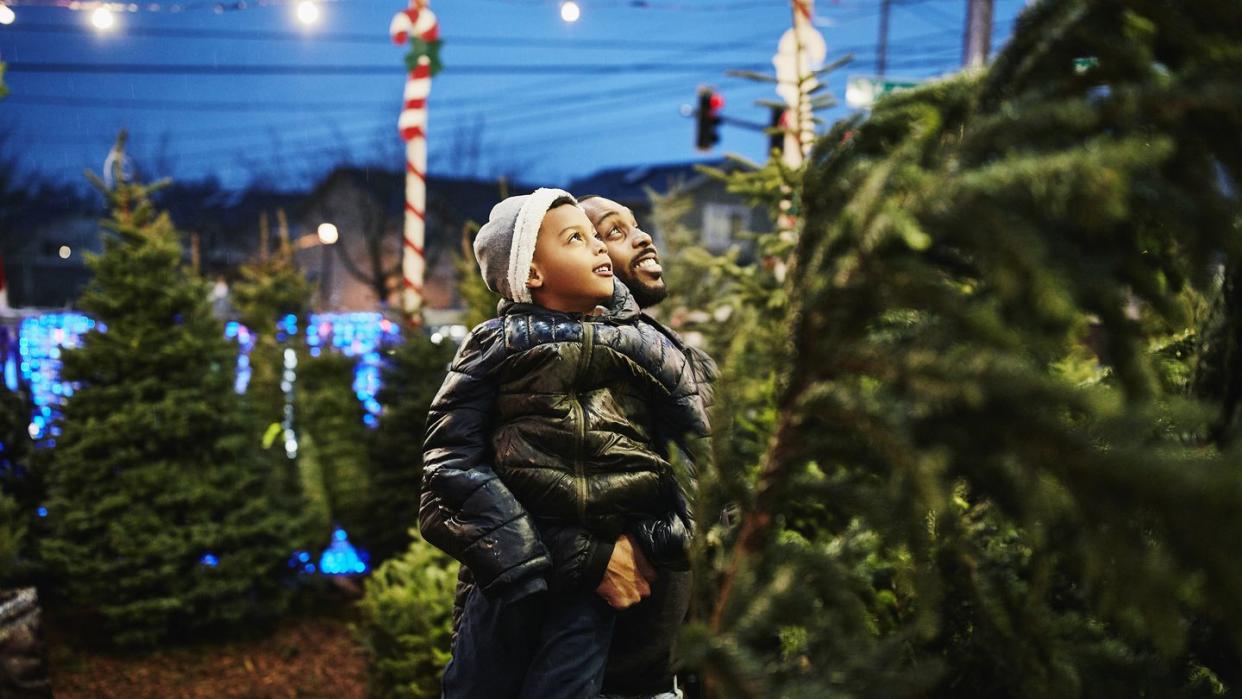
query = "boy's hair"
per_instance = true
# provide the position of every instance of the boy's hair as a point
(562, 201)
(505, 244)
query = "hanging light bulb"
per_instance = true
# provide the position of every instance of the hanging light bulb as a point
(6, 14)
(103, 19)
(308, 12)
(570, 12)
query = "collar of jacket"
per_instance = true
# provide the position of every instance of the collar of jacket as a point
(622, 308)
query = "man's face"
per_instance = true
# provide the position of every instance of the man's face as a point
(635, 260)
(570, 270)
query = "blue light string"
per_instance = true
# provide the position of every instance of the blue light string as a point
(341, 558)
(40, 342)
(360, 335)
(245, 343)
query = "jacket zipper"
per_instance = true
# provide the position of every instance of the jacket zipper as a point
(588, 341)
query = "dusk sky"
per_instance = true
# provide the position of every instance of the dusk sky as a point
(522, 92)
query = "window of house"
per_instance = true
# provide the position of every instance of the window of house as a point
(722, 223)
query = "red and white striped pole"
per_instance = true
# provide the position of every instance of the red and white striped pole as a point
(800, 53)
(419, 26)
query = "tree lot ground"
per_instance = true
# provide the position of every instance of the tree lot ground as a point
(306, 657)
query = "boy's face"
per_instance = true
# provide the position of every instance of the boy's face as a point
(571, 270)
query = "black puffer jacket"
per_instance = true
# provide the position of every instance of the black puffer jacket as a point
(556, 423)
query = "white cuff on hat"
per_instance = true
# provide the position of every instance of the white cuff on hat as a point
(525, 234)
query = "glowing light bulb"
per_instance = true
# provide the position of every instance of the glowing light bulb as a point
(103, 19)
(6, 15)
(308, 12)
(328, 233)
(65, 252)
(570, 12)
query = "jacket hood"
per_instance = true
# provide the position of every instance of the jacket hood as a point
(622, 307)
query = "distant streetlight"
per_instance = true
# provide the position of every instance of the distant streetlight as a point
(103, 19)
(308, 12)
(65, 252)
(327, 233)
(570, 12)
(6, 15)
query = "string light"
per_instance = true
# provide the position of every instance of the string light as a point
(245, 343)
(570, 12)
(308, 12)
(6, 14)
(40, 342)
(341, 558)
(288, 378)
(361, 335)
(103, 19)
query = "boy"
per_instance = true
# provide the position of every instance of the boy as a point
(545, 449)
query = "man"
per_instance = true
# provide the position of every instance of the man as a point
(635, 260)
(640, 659)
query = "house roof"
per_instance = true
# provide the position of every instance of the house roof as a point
(451, 198)
(629, 183)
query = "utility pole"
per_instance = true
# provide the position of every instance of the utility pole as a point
(881, 51)
(978, 41)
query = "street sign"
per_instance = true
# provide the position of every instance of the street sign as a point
(861, 91)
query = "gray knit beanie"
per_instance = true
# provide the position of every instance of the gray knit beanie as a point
(505, 244)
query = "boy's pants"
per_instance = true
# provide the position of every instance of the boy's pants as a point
(544, 646)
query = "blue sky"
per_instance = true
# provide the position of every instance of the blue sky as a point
(623, 72)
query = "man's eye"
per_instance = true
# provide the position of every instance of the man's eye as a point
(616, 233)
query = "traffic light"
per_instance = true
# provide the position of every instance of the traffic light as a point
(707, 119)
(776, 130)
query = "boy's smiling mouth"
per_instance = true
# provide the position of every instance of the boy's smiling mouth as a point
(604, 270)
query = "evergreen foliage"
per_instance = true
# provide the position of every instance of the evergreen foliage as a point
(413, 372)
(271, 288)
(162, 527)
(985, 476)
(21, 487)
(408, 621)
(331, 447)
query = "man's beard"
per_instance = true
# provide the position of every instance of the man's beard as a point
(645, 294)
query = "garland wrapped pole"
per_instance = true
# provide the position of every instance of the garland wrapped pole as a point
(419, 26)
(799, 55)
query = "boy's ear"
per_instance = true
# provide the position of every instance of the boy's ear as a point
(534, 280)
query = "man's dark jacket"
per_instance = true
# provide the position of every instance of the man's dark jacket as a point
(546, 442)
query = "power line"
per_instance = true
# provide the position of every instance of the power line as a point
(194, 105)
(355, 70)
(364, 38)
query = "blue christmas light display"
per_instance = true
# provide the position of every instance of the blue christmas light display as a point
(209, 560)
(42, 338)
(341, 558)
(360, 335)
(9, 357)
(245, 343)
(40, 343)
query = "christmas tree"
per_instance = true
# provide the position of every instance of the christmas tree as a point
(272, 299)
(332, 445)
(985, 476)
(162, 525)
(21, 487)
(413, 372)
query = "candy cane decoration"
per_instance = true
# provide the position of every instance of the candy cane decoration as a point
(801, 52)
(418, 25)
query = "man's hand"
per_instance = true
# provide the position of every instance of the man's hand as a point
(628, 578)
